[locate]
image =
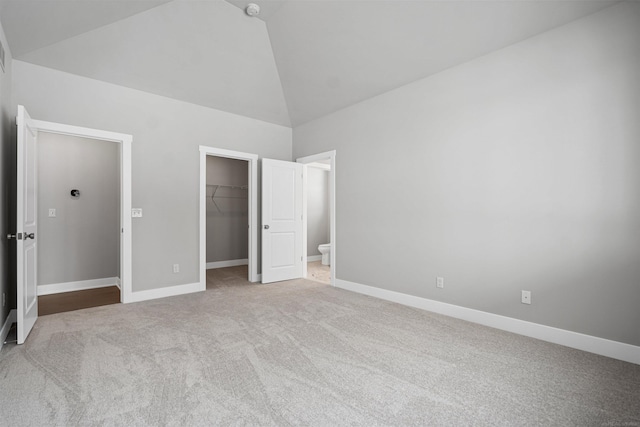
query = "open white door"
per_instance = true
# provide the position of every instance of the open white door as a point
(281, 220)
(27, 225)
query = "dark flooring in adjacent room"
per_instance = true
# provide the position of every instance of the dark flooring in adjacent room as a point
(77, 300)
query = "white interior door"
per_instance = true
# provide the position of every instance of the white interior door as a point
(27, 225)
(281, 220)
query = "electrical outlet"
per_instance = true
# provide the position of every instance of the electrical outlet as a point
(440, 282)
(526, 297)
(176, 268)
(136, 213)
(52, 213)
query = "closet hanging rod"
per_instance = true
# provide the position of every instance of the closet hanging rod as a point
(228, 197)
(239, 187)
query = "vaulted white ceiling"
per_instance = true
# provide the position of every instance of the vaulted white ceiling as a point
(32, 24)
(301, 60)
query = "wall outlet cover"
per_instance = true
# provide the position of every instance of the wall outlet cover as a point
(526, 297)
(440, 282)
(136, 213)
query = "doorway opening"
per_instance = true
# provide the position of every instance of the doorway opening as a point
(27, 235)
(79, 229)
(228, 214)
(319, 217)
(227, 205)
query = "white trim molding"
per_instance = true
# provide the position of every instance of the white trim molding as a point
(601, 346)
(6, 327)
(167, 291)
(56, 288)
(314, 258)
(124, 140)
(229, 263)
(317, 165)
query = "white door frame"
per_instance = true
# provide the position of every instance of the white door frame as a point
(125, 190)
(253, 208)
(331, 155)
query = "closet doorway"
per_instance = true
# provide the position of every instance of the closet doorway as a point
(228, 212)
(227, 204)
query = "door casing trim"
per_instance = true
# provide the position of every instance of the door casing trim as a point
(126, 285)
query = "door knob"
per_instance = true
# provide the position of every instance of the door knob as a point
(11, 236)
(266, 227)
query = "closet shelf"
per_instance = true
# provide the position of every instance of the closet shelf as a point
(240, 187)
(228, 192)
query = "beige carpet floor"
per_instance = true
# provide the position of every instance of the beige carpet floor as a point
(299, 353)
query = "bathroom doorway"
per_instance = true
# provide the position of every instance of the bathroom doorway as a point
(319, 241)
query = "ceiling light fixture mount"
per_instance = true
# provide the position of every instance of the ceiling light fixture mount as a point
(252, 9)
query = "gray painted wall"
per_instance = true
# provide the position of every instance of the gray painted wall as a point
(166, 136)
(518, 170)
(82, 241)
(227, 219)
(7, 168)
(317, 209)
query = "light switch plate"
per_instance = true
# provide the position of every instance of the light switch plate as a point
(136, 213)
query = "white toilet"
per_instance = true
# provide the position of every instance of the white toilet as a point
(325, 250)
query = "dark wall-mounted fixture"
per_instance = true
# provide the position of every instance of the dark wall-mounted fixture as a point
(75, 193)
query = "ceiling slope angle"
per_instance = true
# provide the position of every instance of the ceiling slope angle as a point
(332, 54)
(32, 24)
(203, 52)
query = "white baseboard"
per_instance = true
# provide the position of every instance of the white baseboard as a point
(169, 291)
(314, 258)
(229, 263)
(56, 288)
(4, 332)
(118, 283)
(601, 346)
